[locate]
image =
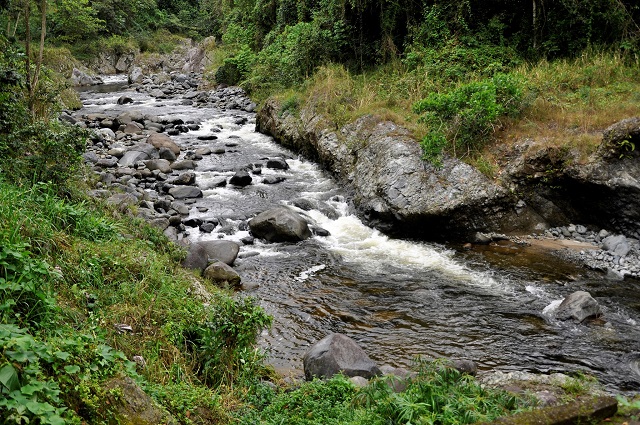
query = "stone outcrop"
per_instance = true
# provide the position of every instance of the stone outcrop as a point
(393, 188)
(337, 353)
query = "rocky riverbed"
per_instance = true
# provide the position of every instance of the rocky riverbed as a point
(183, 159)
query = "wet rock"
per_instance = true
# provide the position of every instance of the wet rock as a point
(220, 181)
(187, 178)
(166, 153)
(107, 162)
(221, 274)
(280, 225)
(277, 164)
(123, 100)
(182, 192)
(241, 178)
(161, 140)
(207, 227)
(337, 353)
(200, 254)
(578, 306)
(273, 179)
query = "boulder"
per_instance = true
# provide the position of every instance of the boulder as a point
(183, 192)
(200, 254)
(578, 306)
(135, 76)
(280, 225)
(616, 244)
(124, 99)
(183, 179)
(79, 78)
(160, 140)
(277, 164)
(139, 152)
(240, 178)
(133, 406)
(221, 274)
(337, 353)
(186, 164)
(158, 164)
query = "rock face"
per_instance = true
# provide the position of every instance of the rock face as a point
(578, 306)
(602, 190)
(393, 188)
(337, 353)
(280, 225)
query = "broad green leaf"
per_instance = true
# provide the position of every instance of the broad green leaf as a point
(9, 377)
(71, 369)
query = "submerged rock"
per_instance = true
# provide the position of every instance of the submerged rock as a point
(337, 353)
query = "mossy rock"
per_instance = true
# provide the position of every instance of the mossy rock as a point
(132, 406)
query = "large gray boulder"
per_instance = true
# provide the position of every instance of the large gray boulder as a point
(139, 152)
(280, 225)
(200, 254)
(136, 75)
(337, 353)
(578, 306)
(616, 244)
(162, 165)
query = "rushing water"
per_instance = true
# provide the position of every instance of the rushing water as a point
(397, 298)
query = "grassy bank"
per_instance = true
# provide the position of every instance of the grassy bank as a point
(566, 102)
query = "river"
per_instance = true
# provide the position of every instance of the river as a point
(397, 298)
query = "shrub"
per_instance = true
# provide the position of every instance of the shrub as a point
(226, 343)
(463, 119)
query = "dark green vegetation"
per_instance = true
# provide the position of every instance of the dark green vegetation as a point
(437, 395)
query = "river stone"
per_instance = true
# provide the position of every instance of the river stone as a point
(166, 153)
(123, 100)
(79, 78)
(160, 140)
(187, 178)
(240, 178)
(135, 76)
(221, 274)
(139, 152)
(578, 306)
(107, 162)
(219, 181)
(617, 244)
(182, 192)
(280, 225)
(200, 254)
(273, 179)
(277, 164)
(158, 164)
(337, 353)
(186, 164)
(132, 128)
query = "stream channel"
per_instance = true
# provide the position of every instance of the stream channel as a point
(397, 298)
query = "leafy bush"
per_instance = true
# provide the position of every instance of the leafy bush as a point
(226, 342)
(463, 118)
(25, 295)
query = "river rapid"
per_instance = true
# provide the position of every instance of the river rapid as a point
(397, 298)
